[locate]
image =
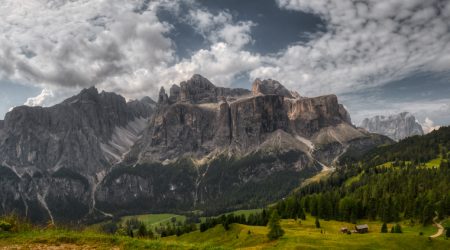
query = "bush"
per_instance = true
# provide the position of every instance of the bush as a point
(384, 228)
(14, 223)
(447, 232)
(109, 228)
(5, 226)
(142, 231)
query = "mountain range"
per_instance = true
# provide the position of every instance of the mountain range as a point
(396, 127)
(200, 147)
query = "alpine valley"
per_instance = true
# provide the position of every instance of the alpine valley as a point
(199, 147)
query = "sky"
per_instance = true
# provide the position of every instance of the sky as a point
(379, 57)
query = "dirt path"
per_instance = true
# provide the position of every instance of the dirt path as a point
(439, 226)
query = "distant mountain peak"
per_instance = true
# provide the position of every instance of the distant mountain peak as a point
(397, 127)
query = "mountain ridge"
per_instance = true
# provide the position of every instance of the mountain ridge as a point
(202, 146)
(397, 127)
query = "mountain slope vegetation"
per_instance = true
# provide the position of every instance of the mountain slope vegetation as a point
(369, 188)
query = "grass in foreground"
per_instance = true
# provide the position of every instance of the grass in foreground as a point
(61, 239)
(299, 235)
(307, 236)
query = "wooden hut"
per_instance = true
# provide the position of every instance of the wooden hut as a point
(362, 228)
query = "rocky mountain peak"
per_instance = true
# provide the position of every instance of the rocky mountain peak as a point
(87, 94)
(162, 97)
(147, 100)
(397, 127)
(270, 87)
(95, 149)
(199, 90)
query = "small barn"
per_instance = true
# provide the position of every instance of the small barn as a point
(362, 228)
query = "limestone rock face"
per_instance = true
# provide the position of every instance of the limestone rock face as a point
(396, 127)
(70, 145)
(200, 147)
(199, 90)
(207, 119)
(270, 87)
(253, 118)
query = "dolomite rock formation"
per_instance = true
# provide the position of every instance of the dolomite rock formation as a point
(396, 127)
(200, 147)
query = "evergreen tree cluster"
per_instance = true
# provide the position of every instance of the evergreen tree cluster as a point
(364, 189)
(177, 229)
(386, 194)
(134, 227)
(255, 219)
(415, 150)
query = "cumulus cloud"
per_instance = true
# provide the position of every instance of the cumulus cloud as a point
(39, 99)
(220, 27)
(428, 126)
(116, 45)
(123, 46)
(83, 43)
(366, 44)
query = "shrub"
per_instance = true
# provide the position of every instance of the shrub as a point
(5, 226)
(109, 228)
(142, 231)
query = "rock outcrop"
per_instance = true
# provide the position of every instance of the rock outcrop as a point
(396, 127)
(200, 147)
(270, 87)
(62, 152)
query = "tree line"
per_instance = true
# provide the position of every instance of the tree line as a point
(255, 219)
(388, 194)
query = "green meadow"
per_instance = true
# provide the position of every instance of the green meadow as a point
(298, 235)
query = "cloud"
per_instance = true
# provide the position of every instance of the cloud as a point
(428, 126)
(116, 45)
(366, 44)
(220, 63)
(39, 99)
(220, 27)
(83, 43)
(123, 46)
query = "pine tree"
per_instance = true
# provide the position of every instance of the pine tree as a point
(384, 228)
(302, 214)
(317, 223)
(142, 231)
(397, 229)
(275, 230)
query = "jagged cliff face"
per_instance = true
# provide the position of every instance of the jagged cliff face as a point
(59, 154)
(201, 123)
(396, 127)
(200, 147)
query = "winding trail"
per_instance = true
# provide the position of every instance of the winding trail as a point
(439, 226)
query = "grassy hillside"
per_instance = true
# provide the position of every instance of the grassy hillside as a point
(64, 239)
(299, 235)
(428, 150)
(404, 181)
